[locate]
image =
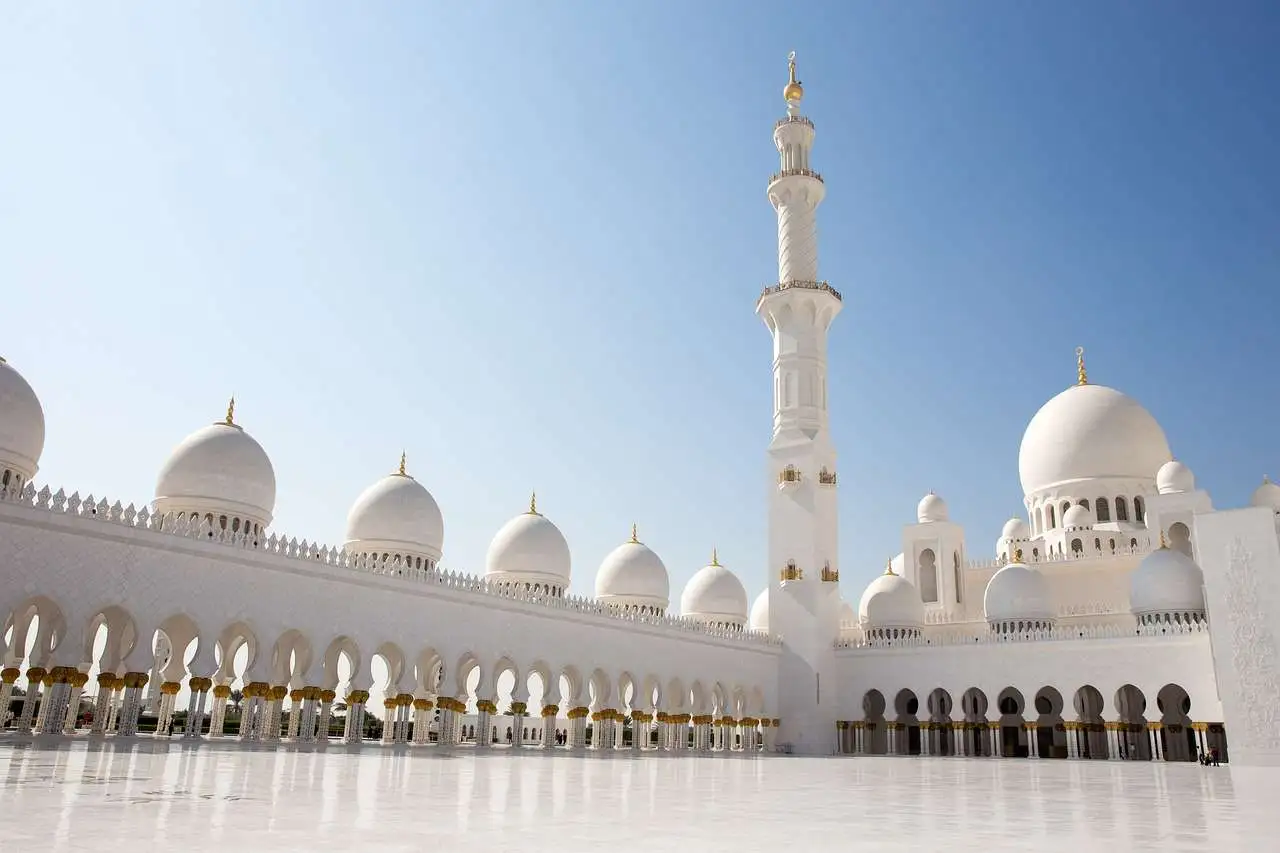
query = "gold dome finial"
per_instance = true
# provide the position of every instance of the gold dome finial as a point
(634, 534)
(715, 557)
(888, 567)
(1266, 478)
(533, 502)
(1082, 378)
(231, 412)
(403, 460)
(2, 360)
(793, 91)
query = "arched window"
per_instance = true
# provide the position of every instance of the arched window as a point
(1066, 505)
(1103, 509)
(1139, 509)
(1133, 543)
(4, 481)
(1076, 546)
(1097, 543)
(1052, 522)
(1083, 503)
(955, 559)
(928, 576)
(1122, 510)
(1180, 537)
(1035, 553)
(1039, 520)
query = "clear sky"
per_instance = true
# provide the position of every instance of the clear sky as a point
(523, 242)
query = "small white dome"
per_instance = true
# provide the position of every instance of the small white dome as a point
(759, 620)
(714, 594)
(1077, 518)
(1015, 530)
(633, 575)
(890, 601)
(931, 508)
(1017, 592)
(1268, 495)
(21, 424)
(1175, 477)
(396, 515)
(529, 549)
(1090, 432)
(1166, 581)
(220, 470)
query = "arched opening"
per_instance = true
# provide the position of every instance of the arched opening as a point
(1052, 520)
(1013, 742)
(1131, 704)
(977, 730)
(1122, 510)
(1092, 740)
(906, 705)
(1051, 732)
(940, 732)
(1102, 509)
(875, 738)
(1139, 509)
(1177, 738)
(955, 564)
(1180, 538)
(928, 563)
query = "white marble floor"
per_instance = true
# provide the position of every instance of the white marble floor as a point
(158, 797)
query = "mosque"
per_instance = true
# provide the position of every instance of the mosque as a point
(1092, 631)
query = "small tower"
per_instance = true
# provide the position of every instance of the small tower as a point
(804, 604)
(933, 556)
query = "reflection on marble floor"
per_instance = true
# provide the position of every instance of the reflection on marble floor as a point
(105, 797)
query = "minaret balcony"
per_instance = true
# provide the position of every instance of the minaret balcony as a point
(799, 285)
(830, 575)
(796, 173)
(793, 120)
(789, 478)
(826, 478)
(791, 572)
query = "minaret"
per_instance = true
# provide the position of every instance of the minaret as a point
(804, 608)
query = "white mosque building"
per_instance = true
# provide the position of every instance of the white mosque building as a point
(1120, 616)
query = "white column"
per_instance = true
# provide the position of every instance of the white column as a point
(132, 703)
(354, 732)
(164, 713)
(195, 706)
(326, 716)
(296, 698)
(26, 716)
(78, 681)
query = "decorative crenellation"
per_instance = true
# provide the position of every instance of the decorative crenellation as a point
(983, 635)
(826, 478)
(1035, 559)
(790, 474)
(769, 290)
(99, 511)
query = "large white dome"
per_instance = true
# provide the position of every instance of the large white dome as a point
(632, 575)
(1090, 432)
(890, 601)
(219, 470)
(21, 424)
(759, 620)
(714, 594)
(529, 549)
(1166, 581)
(397, 516)
(1017, 593)
(1268, 495)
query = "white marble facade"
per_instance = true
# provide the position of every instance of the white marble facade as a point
(1088, 632)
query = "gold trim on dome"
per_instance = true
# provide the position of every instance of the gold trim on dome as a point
(403, 461)
(715, 557)
(230, 419)
(888, 567)
(533, 504)
(1082, 378)
(634, 534)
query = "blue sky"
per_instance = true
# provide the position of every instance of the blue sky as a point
(523, 242)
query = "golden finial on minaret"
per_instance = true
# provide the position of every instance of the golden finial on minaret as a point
(715, 557)
(793, 91)
(1082, 378)
(888, 567)
(231, 411)
(403, 460)
(533, 503)
(634, 534)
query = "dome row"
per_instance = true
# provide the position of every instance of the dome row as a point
(1165, 582)
(222, 475)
